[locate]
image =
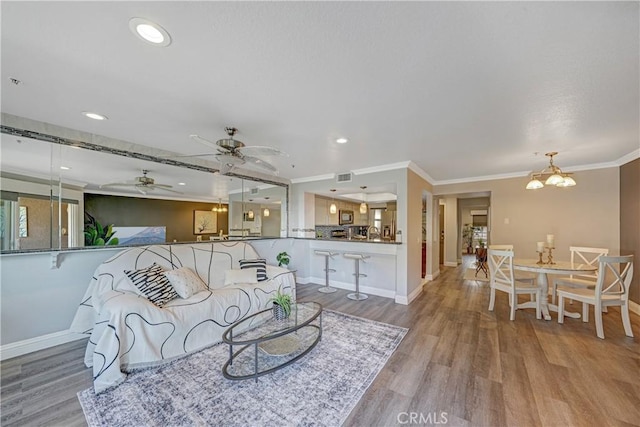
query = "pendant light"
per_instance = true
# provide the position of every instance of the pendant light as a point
(552, 175)
(266, 212)
(333, 209)
(363, 205)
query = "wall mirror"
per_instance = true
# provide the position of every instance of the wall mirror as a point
(58, 184)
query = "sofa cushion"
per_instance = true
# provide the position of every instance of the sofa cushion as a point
(259, 264)
(185, 282)
(246, 276)
(153, 284)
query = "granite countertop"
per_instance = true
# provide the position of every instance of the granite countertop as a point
(231, 238)
(329, 239)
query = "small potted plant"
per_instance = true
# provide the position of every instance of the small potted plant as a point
(283, 259)
(281, 305)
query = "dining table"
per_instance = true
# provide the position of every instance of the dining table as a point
(542, 271)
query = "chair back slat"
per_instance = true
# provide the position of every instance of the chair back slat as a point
(614, 276)
(584, 256)
(501, 267)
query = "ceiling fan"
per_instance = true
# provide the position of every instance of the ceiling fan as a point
(143, 184)
(232, 153)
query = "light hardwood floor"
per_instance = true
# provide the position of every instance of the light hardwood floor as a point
(458, 358)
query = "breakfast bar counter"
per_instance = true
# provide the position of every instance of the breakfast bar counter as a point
(379, 266)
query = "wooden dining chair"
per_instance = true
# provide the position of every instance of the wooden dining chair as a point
(612, 289)
(502, 279)
(580, 256)
(481, 261)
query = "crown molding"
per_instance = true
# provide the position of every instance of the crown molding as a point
(484, 178)
(421, 173)
(635, 154)
(313, 178)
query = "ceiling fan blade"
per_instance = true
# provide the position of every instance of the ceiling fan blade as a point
(175, 156)
(206, 142)
(259, 163)
(118, 184)
(230, 159)
(163, 188)
(161, 185)
(141, 190)
(258, 150)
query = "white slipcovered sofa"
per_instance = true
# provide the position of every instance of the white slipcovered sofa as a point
(128, 331)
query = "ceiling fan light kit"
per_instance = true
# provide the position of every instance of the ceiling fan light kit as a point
(551, 175)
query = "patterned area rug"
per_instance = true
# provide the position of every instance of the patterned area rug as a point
(320, 389)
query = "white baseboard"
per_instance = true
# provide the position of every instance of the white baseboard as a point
(433, 276)
(386, 293)
(634, 307)
(450, 264)
(413, 295)
(30, 345)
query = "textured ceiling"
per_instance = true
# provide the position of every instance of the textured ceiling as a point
(462, 89)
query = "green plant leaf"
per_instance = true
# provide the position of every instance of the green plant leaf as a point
(99, 242)
(113, 241)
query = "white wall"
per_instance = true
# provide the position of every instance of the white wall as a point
(39, 300)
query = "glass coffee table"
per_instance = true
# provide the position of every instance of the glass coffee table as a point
(267, 344)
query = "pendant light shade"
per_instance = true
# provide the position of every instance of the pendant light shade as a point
(363, 205)
(250, 214)
(266, 212)
(551, 175)
(333, 209)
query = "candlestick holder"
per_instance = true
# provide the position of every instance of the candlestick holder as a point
(550, 255)
(540, 262)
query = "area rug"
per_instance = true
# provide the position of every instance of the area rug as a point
(320, 389)
(470, 274)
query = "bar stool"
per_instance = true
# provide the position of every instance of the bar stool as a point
(326, 288)
(357, 258)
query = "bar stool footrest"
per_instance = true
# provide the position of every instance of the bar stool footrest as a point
(358, 296)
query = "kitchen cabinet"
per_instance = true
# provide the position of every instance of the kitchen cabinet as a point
(322, 213)
(322, 210)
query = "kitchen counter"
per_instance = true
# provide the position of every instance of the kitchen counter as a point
(330, 239)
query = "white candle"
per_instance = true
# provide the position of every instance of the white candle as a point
(540, 246)
(550, 240)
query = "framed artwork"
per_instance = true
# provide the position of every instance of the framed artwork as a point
(205, 222)
(22, 222)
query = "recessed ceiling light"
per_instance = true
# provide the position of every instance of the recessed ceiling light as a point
(150, 32)
(182, 183)
(65, 168)
(342, 140)
(94, 116)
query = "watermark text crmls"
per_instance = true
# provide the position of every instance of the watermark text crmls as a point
(417, 418)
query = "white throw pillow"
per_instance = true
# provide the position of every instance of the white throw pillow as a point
(185, 282)
(232, 277)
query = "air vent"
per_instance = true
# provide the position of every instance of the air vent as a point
(344, 177)
(253, 191)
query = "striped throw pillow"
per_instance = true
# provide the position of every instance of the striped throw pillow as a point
(260, 264)
(153, 284)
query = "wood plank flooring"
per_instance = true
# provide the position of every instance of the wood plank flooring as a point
(458, 360)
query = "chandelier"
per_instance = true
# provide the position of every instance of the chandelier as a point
(219, 208)
(552, 175)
